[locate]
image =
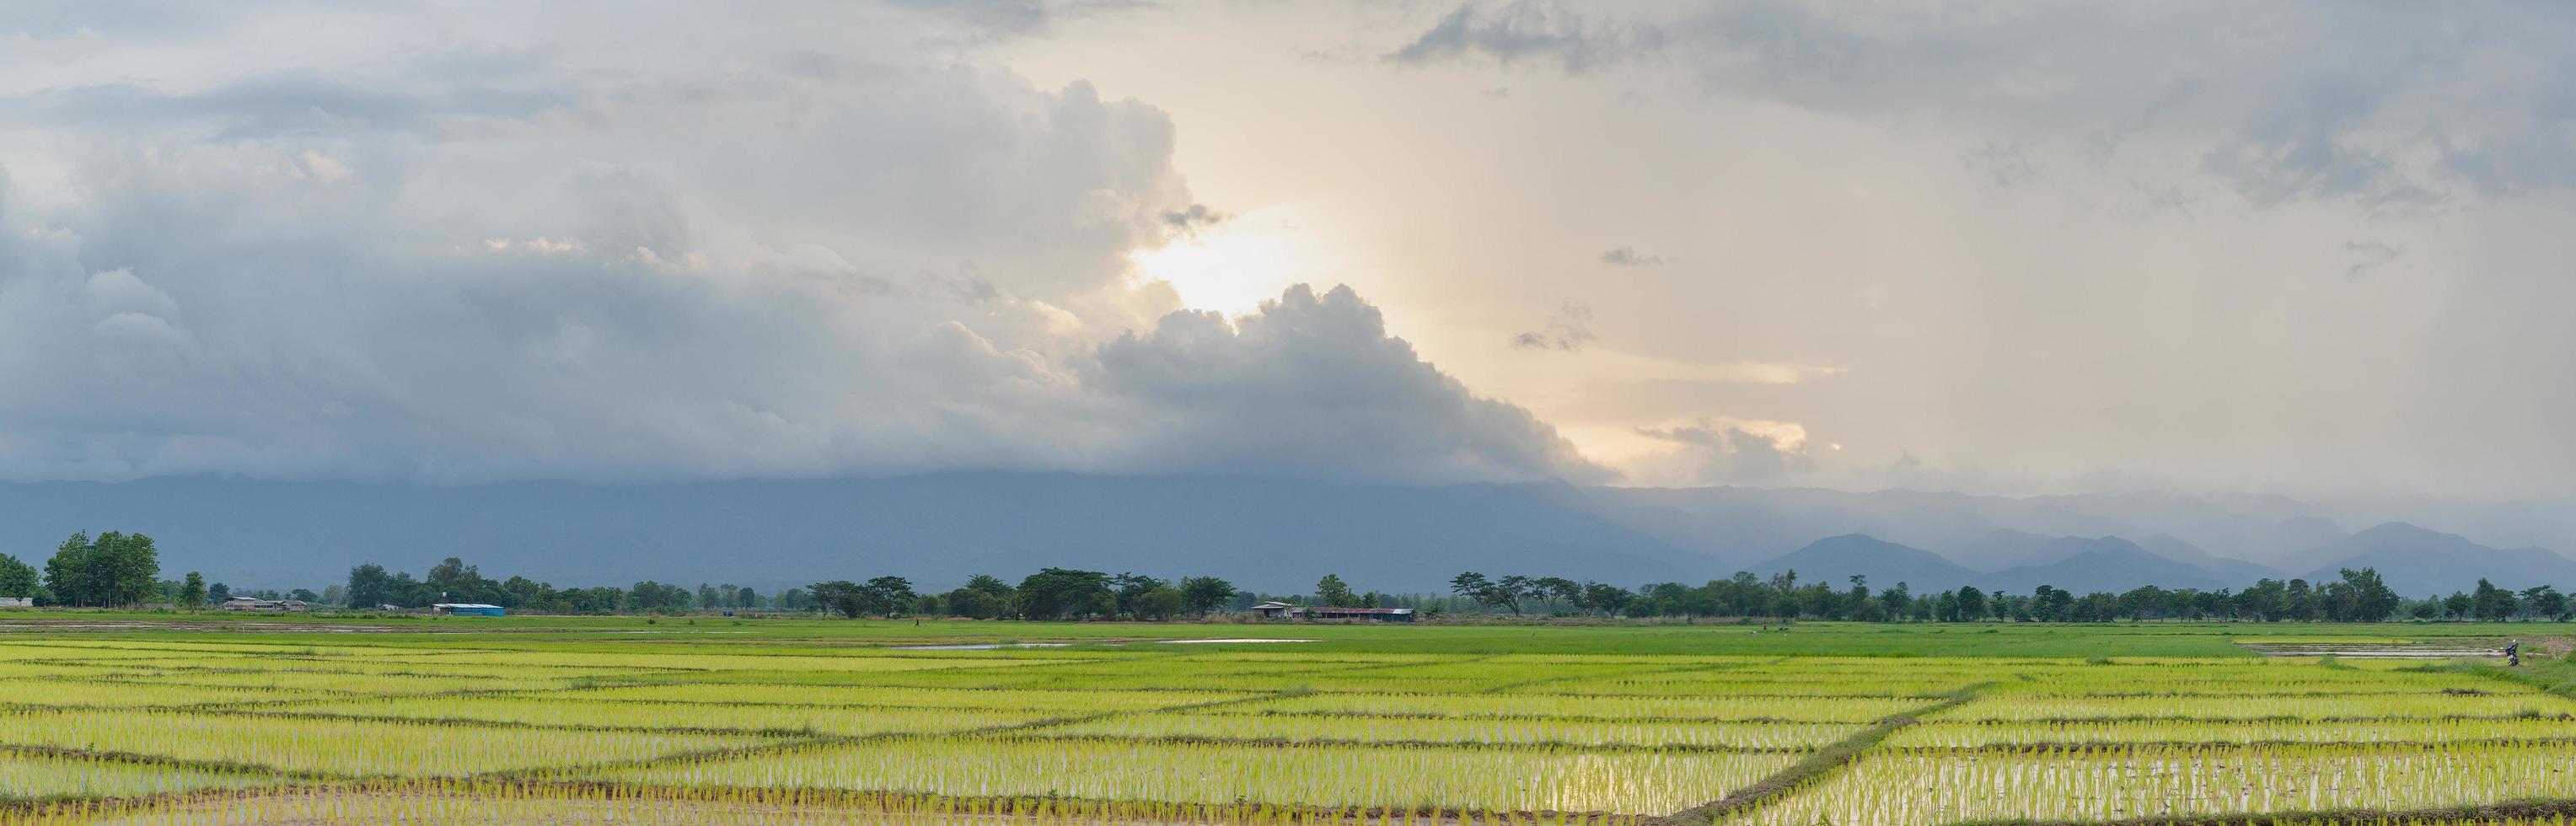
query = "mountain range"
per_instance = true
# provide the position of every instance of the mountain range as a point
(1272, 534)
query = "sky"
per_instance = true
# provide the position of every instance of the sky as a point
(2308, 248)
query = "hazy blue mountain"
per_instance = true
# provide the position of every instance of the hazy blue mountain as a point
(1834, 559)
(2420, 562)
(1266, 533)
(2222, 568)
(2103, 564)
(2007, 548)
(1744, 525)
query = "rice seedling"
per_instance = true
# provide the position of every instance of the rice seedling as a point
(806, 695)
(1327, 776)
(2314, 707)
(1983, 734)
(768, 719)
(1800, 709)
(93, 693)
(38, 776)
(351, 748)
(1297, 728)
(2155, 781)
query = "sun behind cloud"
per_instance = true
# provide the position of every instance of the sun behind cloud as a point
(1233, 266)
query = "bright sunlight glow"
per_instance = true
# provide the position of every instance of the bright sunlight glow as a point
(1234, 266)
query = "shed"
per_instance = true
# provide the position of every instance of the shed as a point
(1273, 610)
(17, 602)
(466, 609)
(1360, 614)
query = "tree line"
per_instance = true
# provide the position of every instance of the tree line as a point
(123, 569)
(1049, 594)
(2356, 596)
(111, 569)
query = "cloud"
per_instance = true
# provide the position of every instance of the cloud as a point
(1630, 257)
(2396, 105)
(1522, 32)
(1567, 330)
(2001, 163)
(2367, 256)
(1728, 453)
(718, 251)
(1312, 383)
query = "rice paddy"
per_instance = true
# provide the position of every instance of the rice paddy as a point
(833, 722)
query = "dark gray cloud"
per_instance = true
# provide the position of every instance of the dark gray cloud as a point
(717, 249)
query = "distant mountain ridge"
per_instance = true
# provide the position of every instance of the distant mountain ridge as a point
(1273, 534)
(1267, 533)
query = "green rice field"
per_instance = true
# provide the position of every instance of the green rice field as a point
(139, 719)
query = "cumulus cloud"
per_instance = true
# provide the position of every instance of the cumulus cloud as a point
(1728, 453)
(1313, 382)
(721, 251)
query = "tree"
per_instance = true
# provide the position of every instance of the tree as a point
(1128, 586)
(1058, 593)
(2458, 605)
(192, 591)
(218, 592)
(70, 575)
(1202, 594)
(2372, 600)
(841, 596)
(1971, 604)
(1557, 589)
(114, 569)
(1332, 592)
(1502, 593)
(888, 595)
(2490, 603)
(1607, 599)
(1470, 584)
(2546, 603)
(1160, 604)
(370, 586)
(1897, 600)
(19, 579)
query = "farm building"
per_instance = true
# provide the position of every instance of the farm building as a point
(17, 602)
(466, 609)
(257, 604)
(1360, 614)
(1282, 610)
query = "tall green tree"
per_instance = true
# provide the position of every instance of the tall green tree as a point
(192, 591)
(1060, 593)
(1333, 592)
(889, 595)
(370, 586)
(840, 596)
(19, 579)
(70, 574)
(1203, 594)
